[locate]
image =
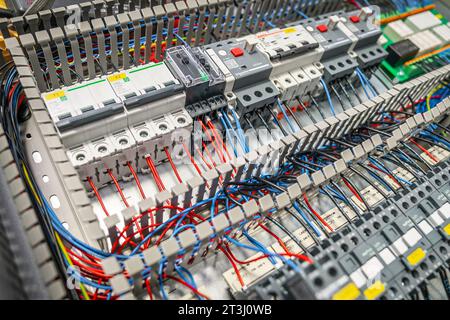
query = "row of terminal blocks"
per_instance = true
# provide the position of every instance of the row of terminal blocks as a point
(209, 231)
(122, 117)
(388, 254)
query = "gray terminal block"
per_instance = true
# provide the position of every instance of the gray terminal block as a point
(294, 191)
(46, 16)
(251, 159)
(340, 166)
(304, 181)
(120, 284)
(266, 203)
(85, 10)
(204, 231)
(236, 215)
(329, 171)
(161, 199)
(250, 208)
(145, 206)
(128, 296)
(187, 239)
(212, 179)
(220, 223)
(178, 191)
(318, 178)
(225, 170)
(128, 214)
(358, 151)
(368, 146)
(111, 266)
(134, 266)
(111, 223)
(152, 257)
(282, 200)
(377, 140)
(4, 31)
(170, 248)
(238, 166)
(196, 186)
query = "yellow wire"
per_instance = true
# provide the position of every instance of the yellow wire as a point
(69, 260)
(58, 239)
(431, 94)
(33, 190)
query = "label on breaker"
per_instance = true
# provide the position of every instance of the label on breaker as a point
(56, 95)
(120, 84)
(118, 77)
(231, 64)
(58, 104)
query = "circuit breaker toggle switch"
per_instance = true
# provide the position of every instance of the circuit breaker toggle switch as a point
(250, 44)
(332, 23)
(365, 13)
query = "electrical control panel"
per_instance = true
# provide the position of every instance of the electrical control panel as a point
(249, 150)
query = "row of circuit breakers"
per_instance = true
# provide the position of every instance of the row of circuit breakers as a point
(143, 110)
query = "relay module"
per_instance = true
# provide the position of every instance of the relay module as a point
(218, 149)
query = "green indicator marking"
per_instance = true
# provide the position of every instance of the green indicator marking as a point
(86, 85)
(204, 77)
(146, 67)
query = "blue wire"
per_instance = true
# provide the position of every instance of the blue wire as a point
(280, 105)
(303, 215)
(239, 129)
(328, 97)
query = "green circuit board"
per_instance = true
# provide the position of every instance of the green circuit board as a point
(404, 73)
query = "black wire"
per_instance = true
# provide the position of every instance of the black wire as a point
(288, 233)
(357, 192)
(377, 188)
(277, 122)
(303, 224)
(314, 102)
(349, 199)
(328, 194)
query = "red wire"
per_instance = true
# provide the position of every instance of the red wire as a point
(203, 158)
(155, 174)
(116, 183)
(209, 155)
(174, 168)
(98, 196)
(192, 159)
(149, 289)
(316, 214)
(187, 285)
(281, 242)
(428, 153)
(235, 267)
(136, 179)
(218, 138)
(214, 142)
(389, 175)
(349, 186)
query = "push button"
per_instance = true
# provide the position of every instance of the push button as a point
(237, 52)
(354, 19)
(322, 28)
